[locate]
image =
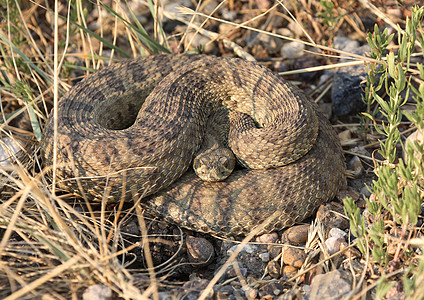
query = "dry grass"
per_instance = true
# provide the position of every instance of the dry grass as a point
(51, 244)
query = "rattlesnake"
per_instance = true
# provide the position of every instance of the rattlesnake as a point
(112, 146)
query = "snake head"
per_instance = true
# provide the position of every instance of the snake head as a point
(214, 165)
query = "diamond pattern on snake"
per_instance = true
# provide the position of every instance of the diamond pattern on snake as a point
(132, 130)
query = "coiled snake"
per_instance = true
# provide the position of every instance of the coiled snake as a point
(131, 130)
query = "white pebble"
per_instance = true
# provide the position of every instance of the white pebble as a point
(97, 292)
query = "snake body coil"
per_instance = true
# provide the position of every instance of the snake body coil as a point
(131, 130)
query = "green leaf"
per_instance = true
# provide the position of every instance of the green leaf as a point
(391, 64)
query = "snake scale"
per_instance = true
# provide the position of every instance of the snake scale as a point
(130, 131)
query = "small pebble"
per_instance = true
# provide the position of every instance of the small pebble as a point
(197, 40)
(295, 28)
(264, 257)
(345, 44)
(231, 272)
(297, 234)
(351, 253)
(354, 265)
(250, 292)
(274, 250)
(273, 288)
(193, 287)
(200, 251)
(224, 28)
(294, 257)
(349, 192)
(394, 12)
(333, 244)
(274, 269)
(331, 285)
(248, 249)
(365, 191)
(164, 296)
(284, 32)
(230, 15)
(345, 136)
(337, 233)
(195, 283)
(210, 6)
(331, 215)
(292, 50)
(271, 43)
(267, 238)
(97, 292)
(263, 4)
(356, 166)
(290, 271)
(326, 109)
(224, 292)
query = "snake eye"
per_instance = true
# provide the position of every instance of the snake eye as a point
(224, 161)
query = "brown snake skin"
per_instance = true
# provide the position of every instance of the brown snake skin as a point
(112, 146)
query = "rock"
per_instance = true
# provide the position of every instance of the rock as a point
(250, 292)
(197, 40)
(231, 272)
(264, 257)
(349, 192)
(345, 136)
(348, 83)
(331, 215)
(331, 285)
(249, 248)
(164, 296)
(304, 63)
(209, 7)
(273, 288)
(326, 109)
(333, 244)
(337, 233)
(173, 7)
(345, 44)
(356, 166)
(394, 12)
(274, 269)
(97, 292)
(225, 28)
(292, 50)
(271, 43)
(248, 258)
(297, 234)
(229, 15)
(274, 250)
(263, 4)
(350, 253)
(294, 257)
(224, 292)
(295, 28)
(284, 32)
(365, 191)
(200, 251)
(290, 271)
(354, 265)
(267, 238)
